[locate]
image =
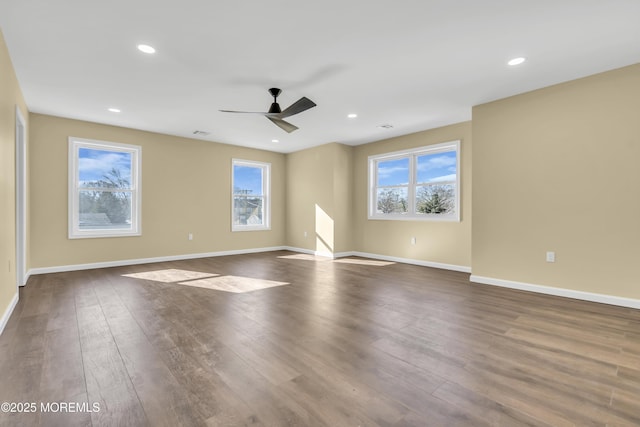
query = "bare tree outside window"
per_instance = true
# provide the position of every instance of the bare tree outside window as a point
(392, 201)
(436, 199)
(416, 184)
(104, 208)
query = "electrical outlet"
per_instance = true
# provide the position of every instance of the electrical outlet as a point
(413, 240)
(551, 257)
(190, 237)
(305, 234)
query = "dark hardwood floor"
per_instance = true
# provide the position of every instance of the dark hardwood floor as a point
(283, 339)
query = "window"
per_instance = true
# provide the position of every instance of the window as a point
(417, 184)
(104, 189)
(250, 201)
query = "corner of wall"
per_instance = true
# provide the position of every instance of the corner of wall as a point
(11, 102)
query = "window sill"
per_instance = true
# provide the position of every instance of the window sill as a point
(249, 228)
(98, 235)
(421, 218)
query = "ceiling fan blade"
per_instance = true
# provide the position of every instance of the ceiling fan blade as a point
(243, 112)
(299, 106)
(286, 126)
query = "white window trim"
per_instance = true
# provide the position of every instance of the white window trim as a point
(412, 154)
(266, 192)
(136, 196)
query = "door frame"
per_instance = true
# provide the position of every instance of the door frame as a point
(21, 198)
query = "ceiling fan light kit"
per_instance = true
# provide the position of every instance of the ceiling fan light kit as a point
(276, 114)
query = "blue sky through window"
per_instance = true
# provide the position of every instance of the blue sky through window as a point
(248, 178)
(437, 167)
(393, 172)
(93, 164)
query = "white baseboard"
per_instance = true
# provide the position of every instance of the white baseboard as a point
(561, 292)
(7, 313)
(422, 263)
(549, 290)
(452, 267)
(26, 277)
(120, 263)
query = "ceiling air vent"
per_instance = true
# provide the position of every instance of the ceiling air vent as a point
(385, 126)
(201, 133)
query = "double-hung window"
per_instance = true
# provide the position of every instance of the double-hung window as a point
(104, 189)
(250, 205)
(417, 184)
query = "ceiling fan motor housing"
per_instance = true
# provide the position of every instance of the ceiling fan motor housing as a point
(275, 108)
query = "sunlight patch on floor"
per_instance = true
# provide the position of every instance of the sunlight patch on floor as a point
(170, 275)
(233, 284)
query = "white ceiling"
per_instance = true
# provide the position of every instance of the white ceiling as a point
(414, 64)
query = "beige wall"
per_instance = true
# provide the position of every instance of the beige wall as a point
(343, 197)
(319, 194)
(557, 169)
(10, 97)
(436, 241)
(553, 170)
(186, 189)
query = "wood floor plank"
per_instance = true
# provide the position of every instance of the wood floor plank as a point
(601, 351)
(345, 375)
(23, 359)
(326, 404)
(107, 380)
(62, 376)
(164, 400)
(210, 394)
(441, 414)
(626, 407)
(350, 342)
(268, 364)
(546, 397)
(490, 411)
(269, 404)
(629, 379)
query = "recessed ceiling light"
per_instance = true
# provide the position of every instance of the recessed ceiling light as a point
(352, 115)
(517, 61)
(114, 110)
(274, 140)
(146, 48)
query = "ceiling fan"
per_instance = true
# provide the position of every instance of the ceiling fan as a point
(275, 114)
